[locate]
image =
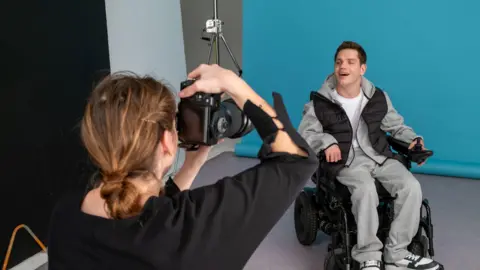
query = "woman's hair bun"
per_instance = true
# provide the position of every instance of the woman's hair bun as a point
(120, 194)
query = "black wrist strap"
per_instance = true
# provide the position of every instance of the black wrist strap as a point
(266, 128)
(282, 115)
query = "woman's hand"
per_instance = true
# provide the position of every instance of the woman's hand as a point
(211, 79)
(214, 79)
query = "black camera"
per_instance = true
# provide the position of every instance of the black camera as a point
(204, 119)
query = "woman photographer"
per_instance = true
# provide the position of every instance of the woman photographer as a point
(131, 220)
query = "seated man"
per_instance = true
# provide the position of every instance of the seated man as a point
(349, 118)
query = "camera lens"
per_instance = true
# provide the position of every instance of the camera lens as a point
(231, 122)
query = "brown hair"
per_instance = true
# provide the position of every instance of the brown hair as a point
(362, 55)
(124, 120)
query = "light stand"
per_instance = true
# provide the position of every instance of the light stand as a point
(214, 27)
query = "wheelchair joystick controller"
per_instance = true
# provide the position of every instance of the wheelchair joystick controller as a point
(418, 146)
(417, 154)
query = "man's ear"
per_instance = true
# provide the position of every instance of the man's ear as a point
(363, 69)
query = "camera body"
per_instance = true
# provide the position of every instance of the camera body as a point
(204, 119)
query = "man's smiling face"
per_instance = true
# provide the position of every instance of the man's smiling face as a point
(348, 68)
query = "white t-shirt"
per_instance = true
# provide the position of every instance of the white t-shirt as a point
(353, 109)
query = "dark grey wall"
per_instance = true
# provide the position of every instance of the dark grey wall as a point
(195, 13)
(51, 55)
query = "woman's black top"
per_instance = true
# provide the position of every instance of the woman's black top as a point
(218, 226)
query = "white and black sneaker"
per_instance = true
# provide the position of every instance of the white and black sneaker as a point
(370, 265)
(412, 261)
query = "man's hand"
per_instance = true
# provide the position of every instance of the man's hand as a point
(414, 143)
(333, 153)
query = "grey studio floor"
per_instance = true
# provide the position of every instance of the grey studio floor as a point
(455, 207)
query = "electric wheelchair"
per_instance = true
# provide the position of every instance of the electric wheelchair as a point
(327, 207)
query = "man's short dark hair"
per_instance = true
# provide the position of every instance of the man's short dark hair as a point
(362, 55)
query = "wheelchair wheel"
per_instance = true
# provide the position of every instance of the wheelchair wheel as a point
(420, 244)
(305, 216)
(420, 247)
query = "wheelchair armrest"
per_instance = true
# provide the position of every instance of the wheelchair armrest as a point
(325, 174)
(416, 154)
(399, 146)
(321, 156)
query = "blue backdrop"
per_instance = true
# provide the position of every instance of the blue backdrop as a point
(424, 53)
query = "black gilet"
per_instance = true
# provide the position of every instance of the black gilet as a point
(335, 122)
